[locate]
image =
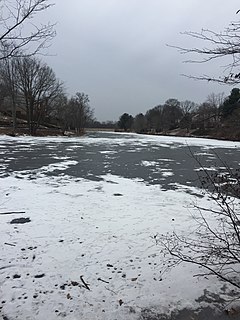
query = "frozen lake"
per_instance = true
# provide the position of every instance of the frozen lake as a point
(154, 160)
(91, 206)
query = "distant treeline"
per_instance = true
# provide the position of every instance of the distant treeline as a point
(218, 116)
(32, 97)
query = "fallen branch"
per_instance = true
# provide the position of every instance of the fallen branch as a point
(12, 212)
(84, 283)
(99, 279)
(10, 244)
(6, 267)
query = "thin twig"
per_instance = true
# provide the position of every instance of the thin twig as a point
(12, 212)
(84, 283)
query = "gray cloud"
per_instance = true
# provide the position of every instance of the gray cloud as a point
(115, 50)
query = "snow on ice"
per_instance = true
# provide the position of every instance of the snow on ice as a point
(86, 250)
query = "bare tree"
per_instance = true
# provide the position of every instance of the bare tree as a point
(125, 122)
(7, 78)
(80, 112)
(187, 107)
(214, 242)
(19, 35)
(39, 87)
(171, 114)
(154, 119)
(164, 117)
(60, 112)
(216, 100)
(217, 45)
(140, 123)
(3, 95)
(207, 116)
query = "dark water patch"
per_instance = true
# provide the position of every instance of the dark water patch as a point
(206, 313)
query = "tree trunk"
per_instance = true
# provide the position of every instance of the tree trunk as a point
(14, 116)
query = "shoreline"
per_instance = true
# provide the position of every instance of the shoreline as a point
(42, 132)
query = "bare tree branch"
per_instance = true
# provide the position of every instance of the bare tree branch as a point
(19, 35)
(216, 45)
(214, 242)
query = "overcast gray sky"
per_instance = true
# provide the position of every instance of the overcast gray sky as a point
(115, 50)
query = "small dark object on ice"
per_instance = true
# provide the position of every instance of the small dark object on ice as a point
(74, 283)
(16, 276)
(120, 302)
(10, 244)
(99, 279)
(38, 276)
(109, 265)
(118, 194)
(69, 296)
(20, 220)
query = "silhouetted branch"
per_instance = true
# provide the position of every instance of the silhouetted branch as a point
(214, 241)
(216, 45)
(19, 36)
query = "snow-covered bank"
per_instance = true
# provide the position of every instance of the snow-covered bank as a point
(98, 230)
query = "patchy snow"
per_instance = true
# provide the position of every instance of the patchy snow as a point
(166, 160)
(130, 138)
(42, 171)
(149, 163)
(167, 173)
(99, 230)
(206, 169)
(99, 235)
(108, 152)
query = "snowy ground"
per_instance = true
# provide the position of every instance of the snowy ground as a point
(87, 251)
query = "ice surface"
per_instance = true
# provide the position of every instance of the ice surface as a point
(99, 230)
